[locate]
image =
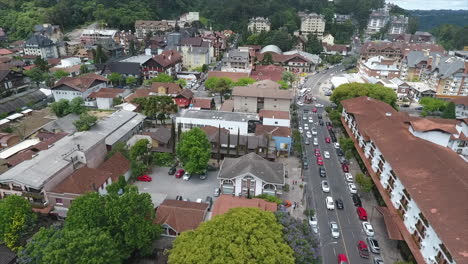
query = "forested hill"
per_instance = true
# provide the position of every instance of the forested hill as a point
(429, 19)
(19, 16)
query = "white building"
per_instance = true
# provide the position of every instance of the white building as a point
(398, 24)
(93, 35)
(418, 175)
(461, 107)
(232, 121)
(312, 24)
(82, 86)
(39, 45)
(275, 118)
(259, 24)
(190, 17)
(377, 20)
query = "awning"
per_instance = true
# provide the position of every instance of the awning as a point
(390, 222)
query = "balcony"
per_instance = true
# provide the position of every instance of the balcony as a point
(34, 195)
(39, 205)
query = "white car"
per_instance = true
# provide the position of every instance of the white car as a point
(308, 134)
(352, 188)
(348, 176)
(336, 145)
(326, 154)
(306, 126)
(186, 176)
(330, 203)
(368, 229)
(300, 103)
(319, 105)
(311, 120)
(301, 130)
(313, 223)
(315, 142)
(314, 131)
(335, 231)
(304, 118)
(325, 187)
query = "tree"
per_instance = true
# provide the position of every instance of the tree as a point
(157, 107)
(219, 85)
(283, 85)
(413, 25)
(140, 152)
(115, 78)
(162, 77)
(99, 55)
(346, 144)
(163, 159)
(182, 82)
(314, 45)
(84, 69)
(269, 198)
(36, 75)
(242, 235)
(57, 246)
(16, 218)
(131, 48)
(352, 90)
(85, 122)
(41, 64)
(244, 81)
(288, 77)
(449, 111)
(204, 68)
(432, 104)
(365, 182)
(267, 59)
(131, 81)
(76, 106)
(60, 74)
(61, 107)
(194, 150)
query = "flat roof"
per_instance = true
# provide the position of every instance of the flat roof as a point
(18, 147)
(4, 121)
(26, 111)
(14, 116)
(135, 120)
(217, 115)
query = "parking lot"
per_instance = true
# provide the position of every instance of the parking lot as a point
(193, 189)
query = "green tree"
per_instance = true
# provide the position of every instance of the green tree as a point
(365, 182)
(60, 74)
(194, 150)
(119, 147)
(413, 25)
(267, 59)
(449, 111)
(157, 107)
(204, 68)
(83, 69)
(16, 219)
(346, 144)
(288, 77)
(270, 198)
(244, 81)
(115, 78)
(162, 77)
(432, 104)
(99, 55)
(313, 45)
(163, 159)
(219, 85)
(283, 85)
(182, 82)
(131, 48)
(36, 75)
(131, 81)
(141, 152)
(61, 107)
(242, 235)
(352, 90)
(85, 122)
(41, 64)
(77, 106)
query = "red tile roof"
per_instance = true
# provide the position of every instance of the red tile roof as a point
(234, 76)
(274, 114)
(426, 124)
(168, 58)
(226, 202)
(106, 93)
(275, 131)
(267, 72)
(181, 215)
(461, 100)
(4, 52)
(203, 103)
(81, 83)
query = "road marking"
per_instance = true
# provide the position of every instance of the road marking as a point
(334, 251)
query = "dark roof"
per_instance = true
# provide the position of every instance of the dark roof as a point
(196, 42)
(129, 68)
(252, 164)
(162, 134)
(168, 58)
(181, 215)
(81, 83)
(186, 93)
(12, 103)
(39, 40)
(6, 255)
(267, 72)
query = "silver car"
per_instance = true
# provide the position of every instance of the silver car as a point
(373, 245)
(335, 232)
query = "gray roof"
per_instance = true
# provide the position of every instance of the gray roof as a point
(448, 66)
(121, 67)
(16, 101)
(243, 55)
(47, 28)
(219, 115)
(254, 165)
(312, 57)
(415, 57)
(141, 59)
(63, 124)
(42, 168)
(39, 41)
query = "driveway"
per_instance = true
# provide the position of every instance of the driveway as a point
(171, 186)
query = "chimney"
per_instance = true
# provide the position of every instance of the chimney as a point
(466, 67)
(429, 62)
(426, 52)
(437, 60)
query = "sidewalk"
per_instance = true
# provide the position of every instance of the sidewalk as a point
(296, 193)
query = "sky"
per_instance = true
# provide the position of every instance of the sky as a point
(431, 4)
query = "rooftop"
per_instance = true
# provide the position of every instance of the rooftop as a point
(226, 202)
(274, 114)
(181, 215)
(234, 76)
(265, 89)
(217, 115)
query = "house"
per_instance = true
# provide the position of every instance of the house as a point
(111, 47)
(184, 98)
(406, 167)
(72, 71)
(195, 52)
(7, 140)
(341, 19)
(189, 17)
(22, 99)
(312, 24)
(237, 60)
(84, 180)
(81, 86)
(12, 80)
(281, 136)
(448, 75)
(415, 63)
(380, 67)
(104, 98)
(125, 69)
(275, 118)
(259, 24)
(169, 89)
(225, 202)
(51, 31)
(169, 62)
(267, 72)
(161, 139)
(251, 175)
(264, 94)
(203, 103)
(294, 61)
(328, 39)
(377, 20)
(145, 27)
(233, 121)
(417, 37)
(93, 35)
(398, 24)
(234, 76)
(39, 45)
(461, 107)
(419, 90)
(336, 49)
(177, 216)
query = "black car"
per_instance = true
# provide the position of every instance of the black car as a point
(321, 122)
(328, 123)
(322, 172)
(172, 170)
(356, 200)
(333, 138)
(319, 116)
(340, 153)
(339, 204)
(209, 201)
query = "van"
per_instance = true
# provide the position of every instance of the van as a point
(362, 214)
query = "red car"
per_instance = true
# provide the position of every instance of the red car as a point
(317, 153)
(363, 249)
(328, 139)
(345, 168)
(342, 259)
(361, 212)
(144, 178)
(179, 173)
(319, 161)
(314, 110)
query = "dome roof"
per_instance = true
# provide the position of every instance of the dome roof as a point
(271, 48)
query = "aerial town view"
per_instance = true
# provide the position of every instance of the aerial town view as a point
(233, 131)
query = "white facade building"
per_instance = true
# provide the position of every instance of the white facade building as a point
(312, 24)
(39, 45)
(259, 24)
(82, 86)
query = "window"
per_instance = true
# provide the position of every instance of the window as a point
(58, 200)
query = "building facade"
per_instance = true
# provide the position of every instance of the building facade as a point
(259, 24)
(82, 86)
(264, 94)
(145, 27)
(380, 68)
(312, 24)
(40, 45)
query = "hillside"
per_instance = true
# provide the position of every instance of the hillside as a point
(429, 19)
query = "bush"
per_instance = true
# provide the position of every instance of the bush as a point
(286, 187)
(7, 130)
(309, 212)
(270, 198)
(163, 159)
(365, 182)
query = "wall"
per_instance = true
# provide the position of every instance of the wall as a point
(276, 122)
(104, 103)
(64, 94)
(436, 137)
(281, 141)
(277, 104)
(96, 155)
(245, 104)
(232, 126)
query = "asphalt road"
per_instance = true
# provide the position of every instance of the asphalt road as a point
(347, 220)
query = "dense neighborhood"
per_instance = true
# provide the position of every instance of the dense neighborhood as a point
(310, 135)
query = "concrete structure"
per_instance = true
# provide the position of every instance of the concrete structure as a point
(237, 60)
(275, 118)
(39, 45)
(259, 24)
(251, 175)
(194, 57)
(397, 50)
(406, 166)
(378, 19)
(264, 94)
(51, 31)
(341, 19)
(82, 86)
(145, 27)
(280, 135)
(104, 98)
(380, 67)
(312, 24)
(93, 35)
(461, 107)
(189, 17)
(295, 61)
(232, 121)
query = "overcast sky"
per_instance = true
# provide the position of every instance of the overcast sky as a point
(431, 4)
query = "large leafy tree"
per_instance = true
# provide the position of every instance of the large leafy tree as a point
(140, 151)
(219, 85)
(16, 218)
(60, 74)
(242, 235)
(432, 104)
(115, 78)
(244, 81)
(351, 90)
(85, 122)
(449, 111)
(157, 107)
(36, 75)
(194, 150)
(77, 106)
(162, 77)
(99, 55)
(61, 107)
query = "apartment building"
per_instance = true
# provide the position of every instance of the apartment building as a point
(312, 24)
(237, 60)
(264, 94)
(40, 45)
(93, 35)
(448, 75)
(145, 27)
(380, 67)
(418, 174)
(377, 20)
(259, 24)
(461, 107)
(398, 24)
(396, 50)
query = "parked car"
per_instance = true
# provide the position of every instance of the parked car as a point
(145, 178)
(345, 168)
(217, 191)
(339, 152)
(378, 260)
(317, 152)
(199, 200)
(335, 231)
(313, 223)
(315, 141)
(306, 165)
(314, 110)
(363, 249)
(319, 161)
(186, 176)
(203, 175)
(329, 202)
(352, 188)
(325, 187)
(343, 160)
(308, 134)
(320, 116)
(342, 259)
(336, 145)
(373, 245)
(356, 200)
(367, 227)
(321, 122)
(322, 172)
(180, 173)
(209, 201)
(362, 214)
(314, 131)
(326, 154)
(348, 177)
(211, 168)
(327, 139)
(419, 108)
(172, 170)
(339, 204)
(307, 142)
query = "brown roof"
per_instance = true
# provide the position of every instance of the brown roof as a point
(6, 52)
(339, 48)
(404, 48)
(461, 100)
(275, 131)
(281, 58)
(265, 89)
(186, 93)
(168, 58)
(139, 93)
(267, 72)
(106, 93)
(81, 83)
(203, 103)
(4, 137)
(162, 134)
(226, 202)
(234, 76)
(433, 175)
(227, 106)
(74, 68)
(426, 124)
(212, 131)
(181, 215)
(274, 114)
(171, 88)
(117, 165)
(390, 223)
(151, 23)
